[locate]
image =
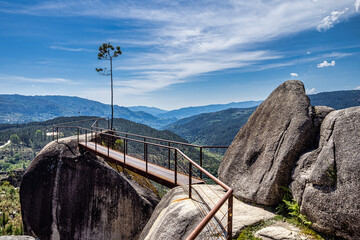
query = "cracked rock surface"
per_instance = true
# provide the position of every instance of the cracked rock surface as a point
(326, 181)
(68, 194)
(261, 158)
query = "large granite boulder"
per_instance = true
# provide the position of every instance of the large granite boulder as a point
(176, 216)
(71, 194)
(327, 180)
(261, 158)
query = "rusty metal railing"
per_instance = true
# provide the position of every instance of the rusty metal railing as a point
(225, 230)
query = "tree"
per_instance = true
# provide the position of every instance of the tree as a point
(14, 138)
(108, 52)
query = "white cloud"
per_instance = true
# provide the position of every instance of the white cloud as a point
(294, 74)
(357, 88)
(308, 52)
(357, 5)
(71, 49)
(189, 38)
(329, 21)
(326, 64)
(311, 91)
(35, 80)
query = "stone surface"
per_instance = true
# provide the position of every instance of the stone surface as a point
(329, 183)
(277, 233)
(68, 194)
(176, 216)
(261, 158)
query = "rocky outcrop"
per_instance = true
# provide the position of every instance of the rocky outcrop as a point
(176, 216)
(326, 181)
(265, 150)
(69, 194)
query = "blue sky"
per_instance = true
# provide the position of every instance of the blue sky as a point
(178, 53)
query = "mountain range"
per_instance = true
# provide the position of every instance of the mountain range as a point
(220, 128)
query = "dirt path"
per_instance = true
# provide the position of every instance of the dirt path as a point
(8, 142)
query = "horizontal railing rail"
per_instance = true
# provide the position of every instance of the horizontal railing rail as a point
(177, 153)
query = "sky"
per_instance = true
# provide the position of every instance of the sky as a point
(178, 53)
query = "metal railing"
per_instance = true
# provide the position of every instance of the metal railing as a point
(218, 229)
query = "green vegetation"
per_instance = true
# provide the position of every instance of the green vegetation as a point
(10, 213)
(336, 99)
(290, 208)
(214, 129)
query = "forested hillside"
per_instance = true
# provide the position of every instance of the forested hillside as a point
(336, 99)
(220, 128)
(217, 129)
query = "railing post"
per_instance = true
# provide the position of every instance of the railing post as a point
(78, 135)
(230, 213)
(125, 141)
(91, 132)
(86, 137)
(144, 148)
(96, 140)
(108, 123)
(146, 156)
(169, 155)
(108, 143)
(126, 144)
(201, 162)
(175, 166)
(190, 178)
(57, 134)
(53, 132)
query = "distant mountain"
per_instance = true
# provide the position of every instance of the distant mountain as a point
(22, 109)
(151, 110)
(216, 129)
(191, 111)
(336, 99)
(220, 128)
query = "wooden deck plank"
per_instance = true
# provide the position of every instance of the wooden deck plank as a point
(155, 172)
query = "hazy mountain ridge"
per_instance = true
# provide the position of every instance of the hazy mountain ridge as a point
(220, 128)
(191, 111)
(22, 109)
(152, 110)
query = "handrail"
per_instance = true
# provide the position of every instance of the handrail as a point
(164, 140)
(227, 197)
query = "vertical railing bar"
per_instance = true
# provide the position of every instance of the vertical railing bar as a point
(108, 143)
(230, 213)
(190, 179)
(126, 141)
(53, 133)
(78, 135)
(146, 156)
(175, 167)
(169, 155)
(144, 148)
(86, 137)
(96, 140)
(125, 151)
(57, 134)
(201, 161)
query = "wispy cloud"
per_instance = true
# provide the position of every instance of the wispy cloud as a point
(329, 21)
(357, 88)
(71, 49)
(36, 80)
(311, 91)
(294, 74)
(326, 64)
(357, 5)
(197, 37)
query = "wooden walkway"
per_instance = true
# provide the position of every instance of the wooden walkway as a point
(154, 172)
